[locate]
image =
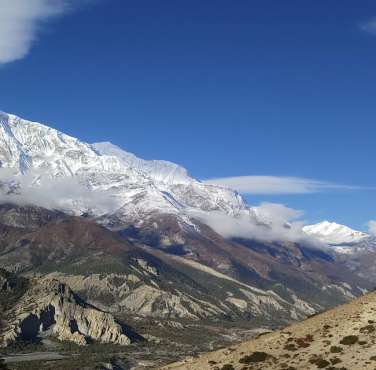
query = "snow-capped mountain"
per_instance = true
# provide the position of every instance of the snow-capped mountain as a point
(159, 171)
(335, 234)
(39, 164)
(135, 187)
(157, 206)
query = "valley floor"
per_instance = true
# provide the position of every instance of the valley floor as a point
(164, 345)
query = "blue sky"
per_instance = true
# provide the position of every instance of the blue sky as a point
(225, 88)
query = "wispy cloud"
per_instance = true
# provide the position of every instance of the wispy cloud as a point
(21, 21)
(279, 185)
(372, 227)
(369, 26)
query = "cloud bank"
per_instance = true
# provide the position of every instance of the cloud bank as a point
(277, 185)
(21, 21)
(268, 222)
(63, 193)
(372, 227)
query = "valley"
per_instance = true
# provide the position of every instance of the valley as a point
(109, 261)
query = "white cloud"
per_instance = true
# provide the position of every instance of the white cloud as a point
(277, 185)
(63, 193)
(20, 23)
(372, 227)
(268, 222)
(369, 26)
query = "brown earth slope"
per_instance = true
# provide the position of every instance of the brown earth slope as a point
(342, 338)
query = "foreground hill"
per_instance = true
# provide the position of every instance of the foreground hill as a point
(342, 338)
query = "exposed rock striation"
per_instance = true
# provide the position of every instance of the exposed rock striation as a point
(51, 308)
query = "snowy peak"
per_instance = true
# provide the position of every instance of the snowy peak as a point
(131, 187)
(160, 171)
(335, 234)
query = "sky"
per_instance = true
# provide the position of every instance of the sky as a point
(274, 98)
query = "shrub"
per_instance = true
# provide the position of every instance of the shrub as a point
(335, 361)
(305, 341)
(349, 340)
(254, 357)
(301, 343)
(227, 367)
(368, 329)
(321, 363)
(336, 349)
(290, 347)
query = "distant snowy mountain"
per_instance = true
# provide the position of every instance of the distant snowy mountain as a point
(107, 182)
(335, 234)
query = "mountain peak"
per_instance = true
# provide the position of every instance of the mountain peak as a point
(158, 170)
(334, 233)
(134, 187)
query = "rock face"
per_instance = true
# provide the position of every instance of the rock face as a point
(50, 308)
(342, 338)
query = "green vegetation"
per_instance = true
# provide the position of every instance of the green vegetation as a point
(290, 347)
(367, 329)
(227, 367)
(254, 357)
(321, 363)
(349, 340)
(336, 349)
(304, 342)
(93, 362)
(23, 346)
(335, 361)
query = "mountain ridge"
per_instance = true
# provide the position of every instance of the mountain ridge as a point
(134, 187)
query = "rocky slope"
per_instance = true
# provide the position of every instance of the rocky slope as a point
(119, 275)
(46, 307)
(342, 338)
